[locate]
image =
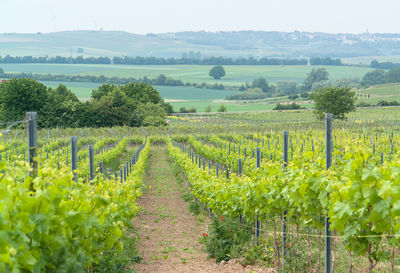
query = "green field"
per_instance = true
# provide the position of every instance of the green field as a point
(201, 98)
(235, 75)
(83, 91)
(375, 94)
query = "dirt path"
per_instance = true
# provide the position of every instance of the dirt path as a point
(169, 232)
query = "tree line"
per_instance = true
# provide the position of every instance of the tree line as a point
(133, 104)
(126, 60)
(160, 80)
(384, 65)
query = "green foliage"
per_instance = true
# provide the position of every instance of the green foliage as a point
(112, 260)
(224, 236)
(184, 110)
(208, 109)
(292, 106)
(134, 104)
(217, 72)
(337, 101)
(393, 75)
(262, 84)
(150, 114)
(250, 94)
(305, 95)
(52, 224)
(222, 108)
(286, 87)
(320, 84)
(316, 75)
(194, 207)
(293, 97)
(346, 82)
(374, 77)
(19, 96)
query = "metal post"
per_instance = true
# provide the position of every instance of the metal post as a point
(91, 162)
(285, 161)
(101, 167)
(328, 239)
(240, 173)
(258, 154)
(31, 118)
(74, 157)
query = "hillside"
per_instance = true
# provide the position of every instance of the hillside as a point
(233, 44)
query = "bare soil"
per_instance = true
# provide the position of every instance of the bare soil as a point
(169, 233)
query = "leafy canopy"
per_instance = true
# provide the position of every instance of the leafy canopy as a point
(334, 100)
(217, 72)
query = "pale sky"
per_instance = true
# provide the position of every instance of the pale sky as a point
(159, 16)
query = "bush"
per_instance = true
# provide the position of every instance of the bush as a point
(225, 236)
(222, 108)
(388, 103)
(292, 106)
(184, 110)
(305, 95)
(293, 97)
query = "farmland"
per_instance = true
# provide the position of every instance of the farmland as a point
(209, 149)
(235, 75)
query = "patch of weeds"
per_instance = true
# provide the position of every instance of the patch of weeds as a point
(187, 196)
(147, 237)
(172, 222)
(154, 257)
(155, 220)
(295, 260)
(226, 237)
(165, 256)
(253, 254)
(117, 259)
(184, 260)
(194, 208)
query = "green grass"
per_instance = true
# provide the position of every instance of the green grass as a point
(235, 75)
(388, 92)
(83, 91)
(231, 106)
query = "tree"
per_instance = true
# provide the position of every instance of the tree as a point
(316, 75)
(334, 100)
(208, 109)
(161, 79)
(320, 84)
(286, 87)
(393, 75)
(262, 84)
(150, 114)
(346, 82)
(222, 108)
(374, 77)
(19, 96)
(103, 90)
(217, 72)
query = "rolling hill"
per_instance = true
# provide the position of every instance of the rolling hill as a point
(231, 44)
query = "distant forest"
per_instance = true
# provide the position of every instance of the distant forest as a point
(169, 61)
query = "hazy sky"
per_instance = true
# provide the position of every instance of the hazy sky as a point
(157, 16)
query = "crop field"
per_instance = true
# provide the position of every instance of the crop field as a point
(237, 180)
(375, 94)
(235, 75)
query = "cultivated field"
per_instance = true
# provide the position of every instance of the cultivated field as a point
(235, 75)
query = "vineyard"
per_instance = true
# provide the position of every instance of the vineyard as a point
(315, 196)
